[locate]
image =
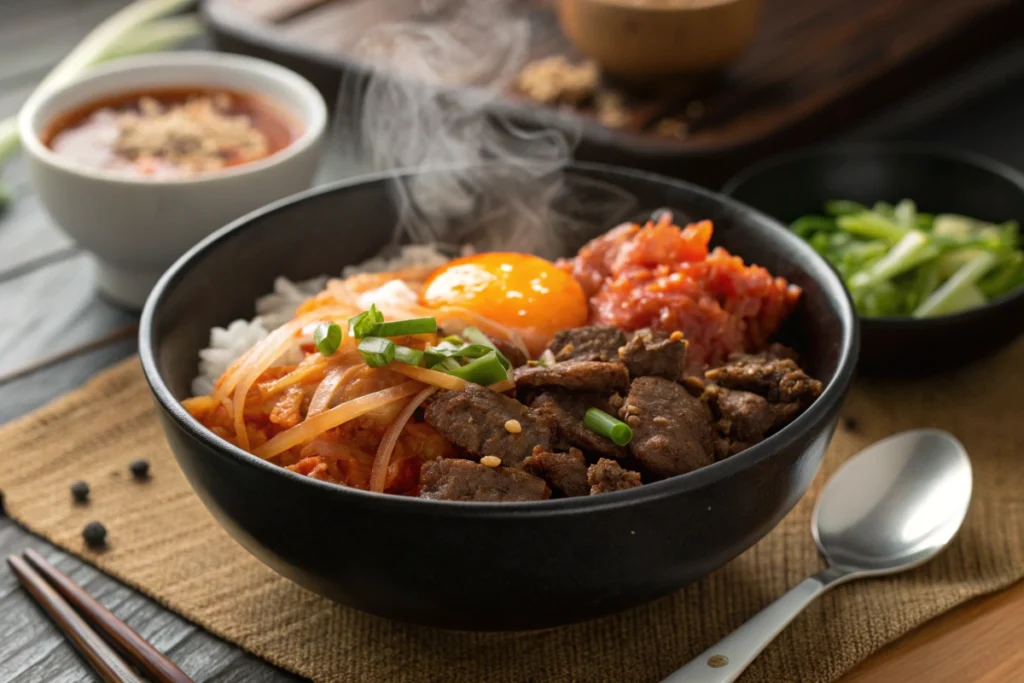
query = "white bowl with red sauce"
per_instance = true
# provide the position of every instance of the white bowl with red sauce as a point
(145, 156)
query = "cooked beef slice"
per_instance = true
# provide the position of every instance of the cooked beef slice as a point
(456, 479)
(564, 472)
(654, 354)
(742, 416)
(606, 476)
(474, 419)
(671, 429)
(780, 380)
(596, 342)
(566, 410)
(575, 375)
(514, 354)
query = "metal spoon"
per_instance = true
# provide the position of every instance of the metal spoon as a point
(893, 506)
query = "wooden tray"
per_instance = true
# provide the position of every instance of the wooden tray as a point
(816, 68)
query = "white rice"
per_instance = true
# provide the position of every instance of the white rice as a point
(227, 344)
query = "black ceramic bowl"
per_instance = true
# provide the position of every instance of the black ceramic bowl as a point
(939, 181)
(476, 565)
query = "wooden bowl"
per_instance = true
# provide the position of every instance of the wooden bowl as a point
(645, 40)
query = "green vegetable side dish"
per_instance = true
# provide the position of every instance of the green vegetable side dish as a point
(897, 261)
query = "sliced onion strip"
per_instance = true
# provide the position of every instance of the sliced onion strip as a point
(379, 472)
(314, 426)
(433, 377)
(329, 387)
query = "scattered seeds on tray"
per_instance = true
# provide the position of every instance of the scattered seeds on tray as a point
(80, 491)
(95, 535)
(139, 469)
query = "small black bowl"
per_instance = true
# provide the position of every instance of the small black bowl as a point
(478, 565)
(939, 181)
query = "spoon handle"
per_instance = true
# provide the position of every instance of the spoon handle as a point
(729, 657)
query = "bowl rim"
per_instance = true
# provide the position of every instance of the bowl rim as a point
(830, 398)
(304, 102)
(947, 153)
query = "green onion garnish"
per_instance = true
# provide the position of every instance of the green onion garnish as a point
(447, 365)
(453, 339)
(327, 338)
(403, 354)
(484, 370)
(359, 326)
(604, 424)
(401, 328)
(474, 335)
(376, 351)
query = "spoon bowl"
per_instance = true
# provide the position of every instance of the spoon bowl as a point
(895, 505)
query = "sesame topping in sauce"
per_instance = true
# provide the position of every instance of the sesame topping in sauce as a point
(513, 427)
(490, 461)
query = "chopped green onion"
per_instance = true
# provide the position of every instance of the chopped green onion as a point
(447, 365)
(404, 354)
(453, 339)
(474, 335)
(472, 351)
(872, 226)
(360, 326)
(401, 328)
(484, 370)
(327, 338)
(604, 424)
(908, 253)
(951, 296)
(376, 351)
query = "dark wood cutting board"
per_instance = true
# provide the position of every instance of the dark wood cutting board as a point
(816, 68)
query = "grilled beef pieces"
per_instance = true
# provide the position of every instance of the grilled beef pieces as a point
(680, 423)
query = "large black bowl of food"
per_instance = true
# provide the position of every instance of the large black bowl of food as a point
(469, 436)
(926, 240)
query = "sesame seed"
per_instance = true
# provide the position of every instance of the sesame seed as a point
(513, 427)
(490, 461)
(676, 336)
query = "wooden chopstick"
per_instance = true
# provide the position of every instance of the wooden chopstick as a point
(147, 658)
(104, 661)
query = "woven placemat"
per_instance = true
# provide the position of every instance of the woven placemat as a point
(164, 543)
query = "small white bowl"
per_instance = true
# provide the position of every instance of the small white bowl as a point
(137, 227)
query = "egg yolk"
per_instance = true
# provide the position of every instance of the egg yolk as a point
(520, 291)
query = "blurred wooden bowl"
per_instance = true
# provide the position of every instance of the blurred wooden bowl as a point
(645, 40)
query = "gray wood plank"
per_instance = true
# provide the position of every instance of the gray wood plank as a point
(53, 309)
(37, 33)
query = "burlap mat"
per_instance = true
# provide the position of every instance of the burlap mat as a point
(163, 542)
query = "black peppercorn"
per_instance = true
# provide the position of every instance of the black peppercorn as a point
(80, 491)
(139, 468)
(850, 423)
(95, 534)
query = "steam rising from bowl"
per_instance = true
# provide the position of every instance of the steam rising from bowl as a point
(429, 102)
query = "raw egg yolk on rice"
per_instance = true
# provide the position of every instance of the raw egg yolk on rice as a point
(521, 291)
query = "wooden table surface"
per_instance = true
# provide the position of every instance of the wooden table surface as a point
(47, 305)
